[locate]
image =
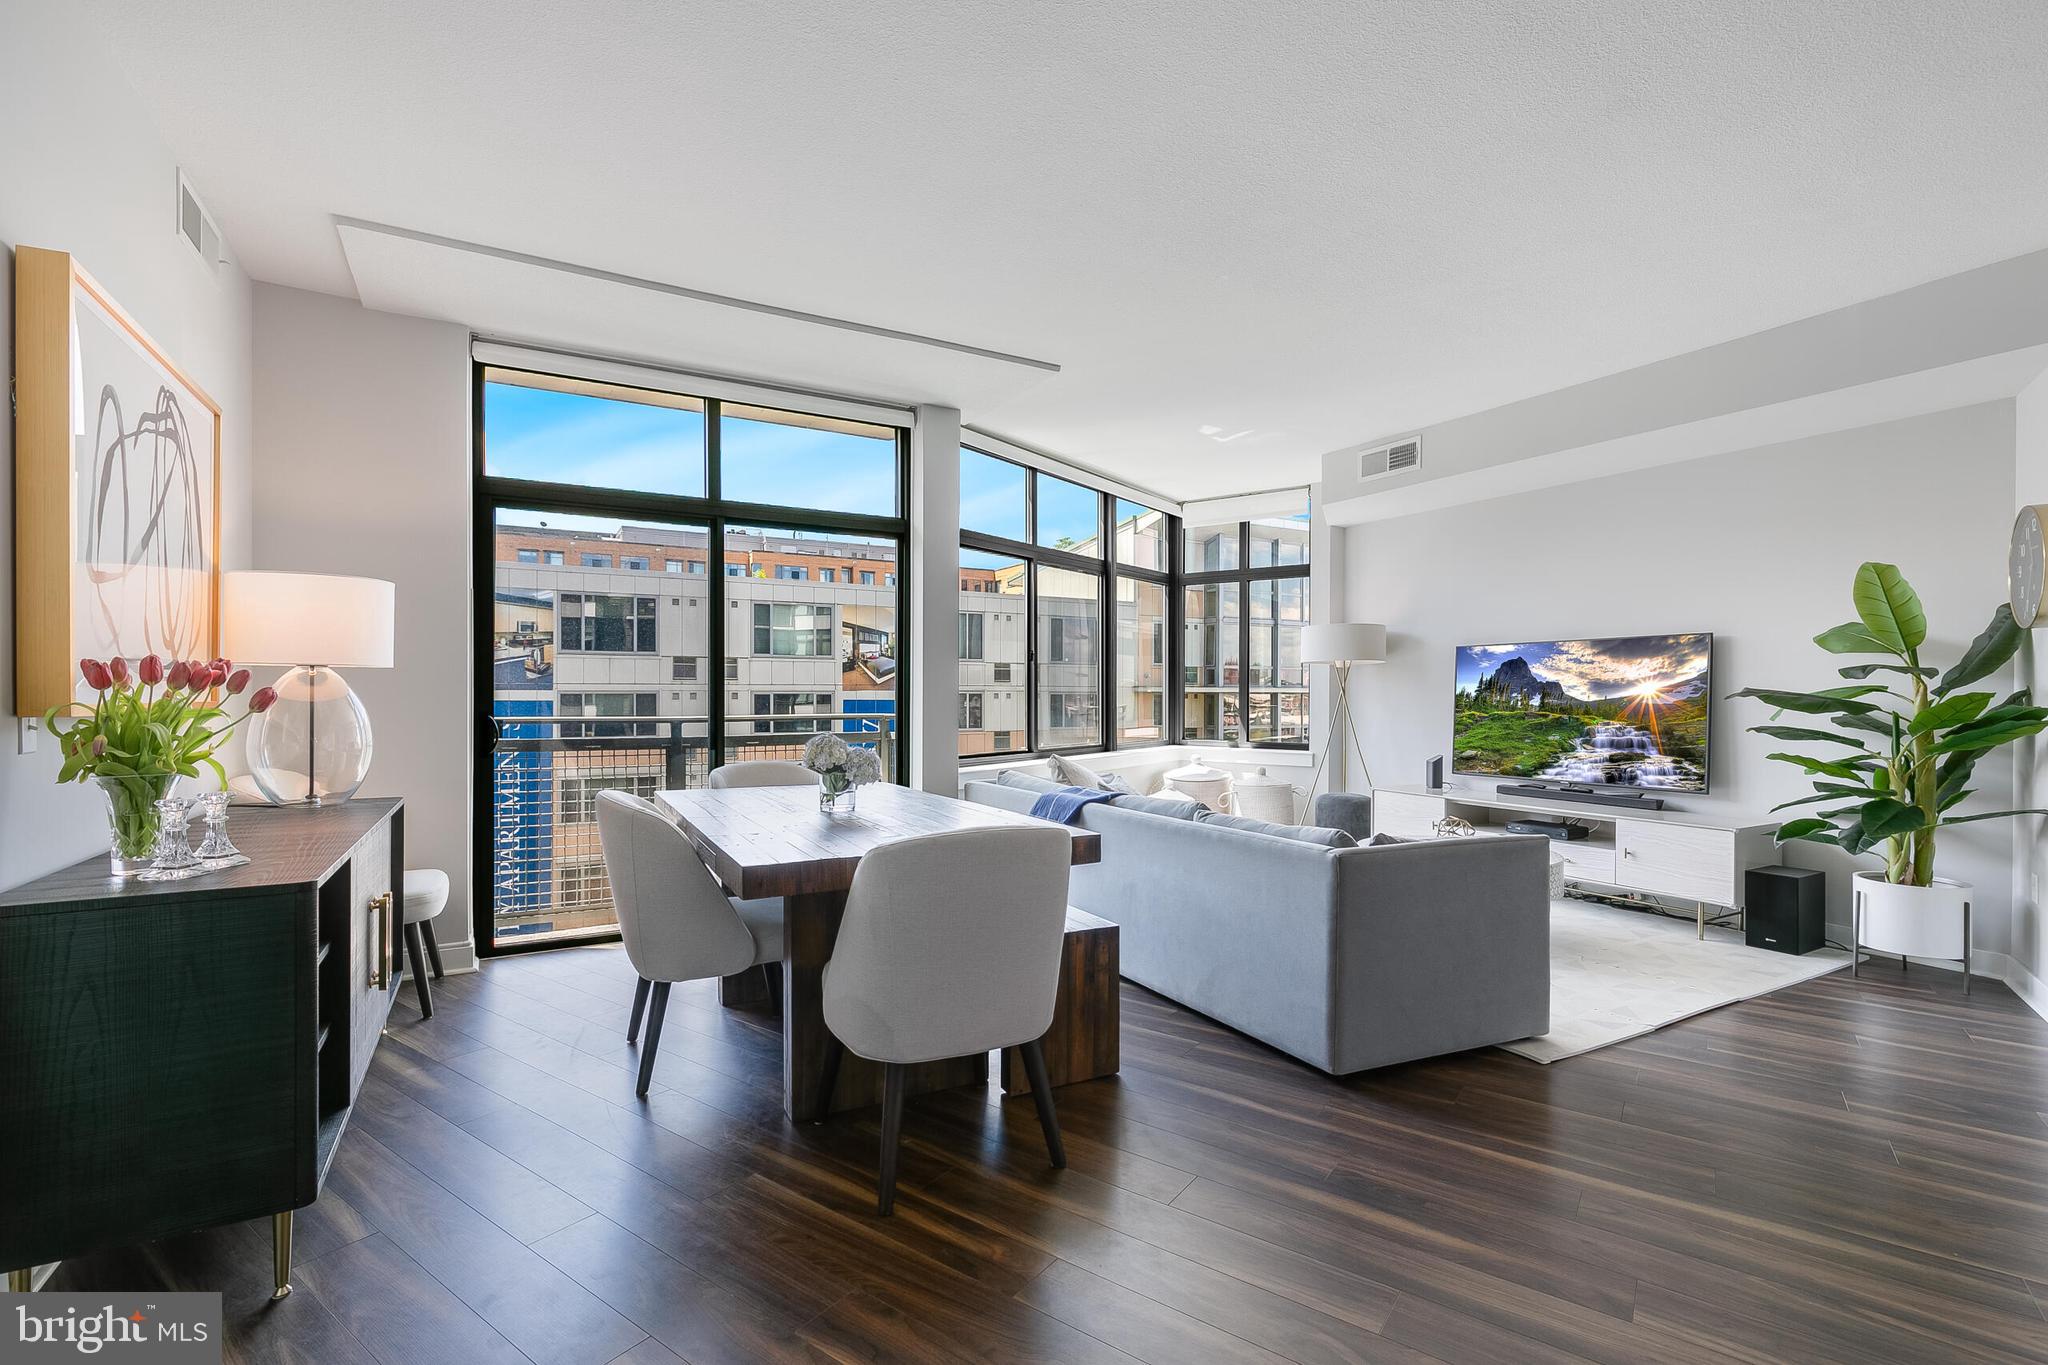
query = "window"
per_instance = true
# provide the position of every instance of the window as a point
(578, 801)
(889, 579)
(633, 562)
(1000, 673)
(1069, 516)
(685, 670)
(593, 561)
(970, 710)
(828, 575)
(582, 884)
(973, 632)
(529, 556)
(791, 704)
(606, 624)
(735, 571)
(554, 556)
(1141, 537)
(992, 647)
(696, 566)
(992, 497)
(671, 566)
(867, 578)
(792, 629)
(607, 704)
(792, 573)
(1003, 741)
(769, 457)
(569, 431)
(1140, 661)
(1069, 672)
(1245, 602)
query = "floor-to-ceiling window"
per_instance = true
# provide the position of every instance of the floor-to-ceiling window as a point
(675, 581)
(1063, 630)
(1244, 591)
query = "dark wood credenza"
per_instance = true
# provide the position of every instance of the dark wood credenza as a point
(175, 1055)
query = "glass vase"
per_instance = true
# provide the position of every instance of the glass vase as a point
(133, 821)
(836, 794)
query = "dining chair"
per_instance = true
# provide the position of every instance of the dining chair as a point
(949, 946)
(678, 924)
(761, 772)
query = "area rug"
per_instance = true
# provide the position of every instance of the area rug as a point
(1618, 974)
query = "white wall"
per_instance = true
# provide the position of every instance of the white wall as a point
(363, 429)
(83, 170)
(1758, 547)
(2030, 835)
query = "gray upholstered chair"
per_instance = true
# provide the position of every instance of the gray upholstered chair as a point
(761, 772)
(950, 945)
(677, 923)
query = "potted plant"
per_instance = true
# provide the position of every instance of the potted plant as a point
(842, 769)
(143, 731)
(1905, 739)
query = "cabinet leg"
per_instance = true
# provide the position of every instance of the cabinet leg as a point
(281, 1253)
(1702, 913)
(21, 1281)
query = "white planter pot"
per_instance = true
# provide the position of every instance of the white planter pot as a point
(1912, 921)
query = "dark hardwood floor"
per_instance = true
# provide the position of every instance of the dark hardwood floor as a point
(1844, 1171)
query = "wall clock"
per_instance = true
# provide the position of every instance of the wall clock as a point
(2026, 564)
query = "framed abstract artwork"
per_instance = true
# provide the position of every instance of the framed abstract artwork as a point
(116, 488)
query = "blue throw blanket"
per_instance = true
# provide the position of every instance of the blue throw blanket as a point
(1065, 805)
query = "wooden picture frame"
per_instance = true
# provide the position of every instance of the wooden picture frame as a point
(116, 488)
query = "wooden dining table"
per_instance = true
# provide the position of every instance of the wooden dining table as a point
(774, 841)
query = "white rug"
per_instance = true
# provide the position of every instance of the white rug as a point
(1618, 974)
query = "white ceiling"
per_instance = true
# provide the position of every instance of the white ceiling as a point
(1318, 223)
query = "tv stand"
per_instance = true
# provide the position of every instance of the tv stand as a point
(1700, 858)
(1572, 791)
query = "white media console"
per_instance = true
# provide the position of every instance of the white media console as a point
(1658, 852)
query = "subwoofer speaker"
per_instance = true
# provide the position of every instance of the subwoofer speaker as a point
(1785, 910)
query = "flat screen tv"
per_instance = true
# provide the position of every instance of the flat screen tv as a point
(1625, 712)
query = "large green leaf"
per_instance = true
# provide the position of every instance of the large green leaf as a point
(1850, 836)
(1960, 709)
(1826, 791)
(1990, 815)
(1987, 653)
(1804, 829)
(1884, 818)
(1802, 735)
(1847, 769)
(1813, 703)
(1991, 734)
(1853, 638)
(1887, 604)
(1873, 722)
(1865, 670)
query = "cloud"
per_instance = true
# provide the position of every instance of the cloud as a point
(1612, 668)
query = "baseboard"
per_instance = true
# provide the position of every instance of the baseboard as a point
(1998, 966)
(458, 958)
(2028, 987)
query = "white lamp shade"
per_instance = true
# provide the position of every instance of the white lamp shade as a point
(1347, 642)
(306, 618)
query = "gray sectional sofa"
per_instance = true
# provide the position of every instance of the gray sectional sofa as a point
(1348, 957)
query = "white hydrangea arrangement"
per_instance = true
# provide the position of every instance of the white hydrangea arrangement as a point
(840, 765)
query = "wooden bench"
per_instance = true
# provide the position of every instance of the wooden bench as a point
(1082, 1042)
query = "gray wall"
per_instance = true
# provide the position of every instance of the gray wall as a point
(2030, 836)
(82, 170)
(1758, 547)
(364, 423)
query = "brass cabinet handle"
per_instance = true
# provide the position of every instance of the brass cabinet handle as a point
(381, 968)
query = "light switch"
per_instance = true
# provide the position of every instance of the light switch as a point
(31, 727)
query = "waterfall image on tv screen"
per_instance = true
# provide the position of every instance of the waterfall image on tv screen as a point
(1627, 712)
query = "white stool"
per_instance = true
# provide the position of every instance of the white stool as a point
(426, 896)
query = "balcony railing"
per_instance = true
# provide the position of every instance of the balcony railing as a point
(547, 867)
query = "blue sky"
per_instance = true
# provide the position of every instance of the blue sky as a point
(603, 442)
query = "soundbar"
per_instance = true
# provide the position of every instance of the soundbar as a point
(1589, 795)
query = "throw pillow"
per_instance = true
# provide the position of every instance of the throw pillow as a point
(1382, 840)
(1172, 807)
(1073, 774)
(1305, 834)
(1010, 777)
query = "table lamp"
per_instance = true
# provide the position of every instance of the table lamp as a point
(1342, 645)
(313, 746)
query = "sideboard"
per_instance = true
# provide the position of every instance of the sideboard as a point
(175, 1055)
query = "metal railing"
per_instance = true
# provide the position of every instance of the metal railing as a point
(547, 867)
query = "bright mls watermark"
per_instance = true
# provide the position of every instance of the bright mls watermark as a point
(162, 1328)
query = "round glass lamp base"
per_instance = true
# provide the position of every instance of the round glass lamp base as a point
(313, 746)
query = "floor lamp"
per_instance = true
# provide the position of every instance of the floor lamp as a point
(1340, 646)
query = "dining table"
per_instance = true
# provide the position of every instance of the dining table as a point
(775, 841)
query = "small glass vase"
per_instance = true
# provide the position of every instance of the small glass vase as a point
(133, 820)
(836, 794)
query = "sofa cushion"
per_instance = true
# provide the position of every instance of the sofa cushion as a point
(1173, 807)
(1382, 840)
(1306, 834)
(1081, 775)
(1010, 777)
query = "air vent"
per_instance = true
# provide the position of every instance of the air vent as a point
(1398, 458)
(197, 227)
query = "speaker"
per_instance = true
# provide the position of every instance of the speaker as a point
(1433, 773)
(1785, 909)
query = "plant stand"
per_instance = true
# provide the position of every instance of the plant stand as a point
(1909, 922)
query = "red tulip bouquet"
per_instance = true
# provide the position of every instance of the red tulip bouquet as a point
(144, 730)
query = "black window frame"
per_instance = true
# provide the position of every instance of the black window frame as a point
(1108, 570)
(493, 494)
(1242, 577)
